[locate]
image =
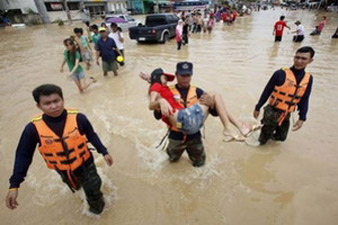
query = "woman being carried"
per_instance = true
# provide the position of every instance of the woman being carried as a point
(190, 120)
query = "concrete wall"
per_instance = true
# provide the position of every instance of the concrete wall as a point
(117, 5)
(18, 4)
(63, 16)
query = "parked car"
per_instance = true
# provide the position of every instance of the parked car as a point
(158, 27)
(122, 20)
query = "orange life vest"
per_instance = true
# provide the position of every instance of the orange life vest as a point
(191, 100)
(289, 94)
(64, 153)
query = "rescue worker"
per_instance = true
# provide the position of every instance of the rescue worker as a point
(187, 95)
(287, 88)
(62, 135)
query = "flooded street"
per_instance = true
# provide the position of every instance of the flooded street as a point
(293, 183)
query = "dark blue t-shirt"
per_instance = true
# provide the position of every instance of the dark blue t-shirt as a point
(106, 49)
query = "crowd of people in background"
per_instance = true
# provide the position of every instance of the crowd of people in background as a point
(107, 44)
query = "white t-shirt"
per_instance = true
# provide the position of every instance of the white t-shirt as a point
(115, 36)
(300, 29)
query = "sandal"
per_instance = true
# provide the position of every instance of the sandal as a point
(93, 79)
(230, 138)
(253, 129)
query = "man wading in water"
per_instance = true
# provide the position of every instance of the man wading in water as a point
(287, 88)
(62, 135)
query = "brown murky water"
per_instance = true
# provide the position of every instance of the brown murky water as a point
(294, 182)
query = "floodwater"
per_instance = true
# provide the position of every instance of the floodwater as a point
(294, 182)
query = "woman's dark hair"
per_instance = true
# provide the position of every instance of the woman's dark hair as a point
(46, 90)
(94, 27)
(119, 29)
(78, 30)
(155, 76)
(70, 54)
(306, 49)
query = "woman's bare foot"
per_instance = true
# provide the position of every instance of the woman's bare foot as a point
(228, 137)
(247, 129)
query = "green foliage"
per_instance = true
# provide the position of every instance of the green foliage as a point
(30, 11)
(59, 22)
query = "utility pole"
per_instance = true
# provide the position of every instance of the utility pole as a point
(68, 12)
(42, 11)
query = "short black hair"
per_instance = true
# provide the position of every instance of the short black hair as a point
(87, 23)
(94, 27)
(282, 18)
(306, 49)
(78, 30)
(113, 25)
(46, 90)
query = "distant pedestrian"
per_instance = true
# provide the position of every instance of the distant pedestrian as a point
(117, 35)
(299, 37)
(83, 43)
(320, 27)
(279, 28)
(106, 49)
(179, 34)
(72, 58)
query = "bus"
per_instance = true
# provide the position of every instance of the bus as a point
(191, 5)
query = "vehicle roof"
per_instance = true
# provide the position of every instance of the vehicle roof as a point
(162, 14)
(111, 15)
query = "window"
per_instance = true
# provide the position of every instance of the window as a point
(54, 6)
(73, 5)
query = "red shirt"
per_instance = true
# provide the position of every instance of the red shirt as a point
(165, 93)
(279, 27)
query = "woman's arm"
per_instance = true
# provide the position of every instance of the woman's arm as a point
(62, 65)
(154, 103)
(158, 103)
(77, 61)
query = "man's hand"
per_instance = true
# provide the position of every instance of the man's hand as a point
(166, 108)
(207, 100)
(297, 125)
(108, 159)
(256, 114)
(11, 202)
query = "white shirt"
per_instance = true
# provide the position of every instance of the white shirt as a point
(116, 38)
(300, 29)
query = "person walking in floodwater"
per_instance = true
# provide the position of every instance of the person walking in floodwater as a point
(72, 58)
(320, 27)
(85, 49)
(62, 136)
(287, 89)
(210, 24)
(106, 48)
(299, 37)
(184, 109)
(117, 36)
(279, 28)
(179, 34)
